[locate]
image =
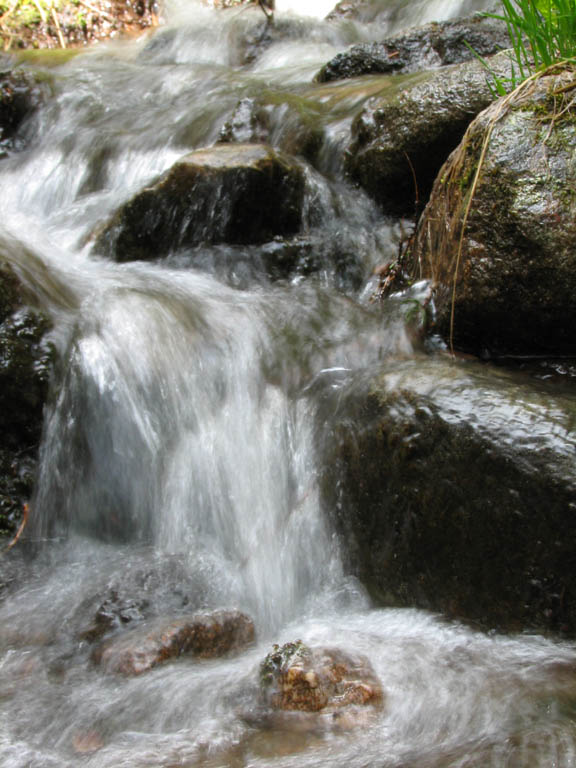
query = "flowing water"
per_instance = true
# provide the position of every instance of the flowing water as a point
(178, 468)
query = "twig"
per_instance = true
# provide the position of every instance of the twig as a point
(41, 11)
(9, 11)
(415, 182)
(58, 30)
(19, 531)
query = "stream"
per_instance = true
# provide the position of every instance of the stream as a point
(179, 469)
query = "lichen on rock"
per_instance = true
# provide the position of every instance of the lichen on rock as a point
(501, 248)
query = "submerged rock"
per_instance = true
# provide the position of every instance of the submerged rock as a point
(158, 587)
(201, 635)
(247, 124)
(399, 143)
(453, 486)
(516, 280)
(307, 688)
(294, 121)
(233, 193)
(431, 46)
(26, 359)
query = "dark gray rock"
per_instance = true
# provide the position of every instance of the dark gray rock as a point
(20, 96)
(516, 282)
(431, 46)
(399, 143)
(453, 486)
(233, 193)
(26, 360)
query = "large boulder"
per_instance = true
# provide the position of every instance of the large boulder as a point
(204, 635)
(515, 283)
(26, 359)
(400, 142)
(232, 193)
(431, 46)
(453, 486)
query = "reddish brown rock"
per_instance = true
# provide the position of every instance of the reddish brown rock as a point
(203, 635)
(296, 677)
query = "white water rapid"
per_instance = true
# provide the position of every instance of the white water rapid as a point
(178, 463)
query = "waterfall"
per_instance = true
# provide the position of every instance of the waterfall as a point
(179, 466)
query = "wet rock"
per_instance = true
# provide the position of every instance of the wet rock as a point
(306, 688)
(114, 613)
(453, 486)
(294, 122)
(431, 46)
(237, 193)
(280, 259)
(247, 124)
(20, 96)
(26, 359)
(201, 635)
(516, 281)
(165, 586)
(400, 142)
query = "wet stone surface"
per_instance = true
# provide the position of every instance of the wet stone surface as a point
(428, 47)
(516, 282)
(232, 193)
(204, 635)
(453, 488)
(20, 95)
(305, 688)
(26, 360)
(399, 145)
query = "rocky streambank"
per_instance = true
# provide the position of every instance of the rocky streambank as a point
(446, 478)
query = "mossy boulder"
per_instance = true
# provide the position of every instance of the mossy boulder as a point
(431, 46)
(516, 280)
(26, 359)
(231, 193)
(399, 144)
(453, 487)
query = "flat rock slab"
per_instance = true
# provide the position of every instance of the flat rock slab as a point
(202, 635)
(230, 193)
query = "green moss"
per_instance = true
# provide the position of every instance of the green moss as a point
(279, 658)
(47, 57)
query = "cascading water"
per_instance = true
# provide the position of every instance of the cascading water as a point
(178, 468)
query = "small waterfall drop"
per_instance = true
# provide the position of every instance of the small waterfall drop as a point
(179, 463)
